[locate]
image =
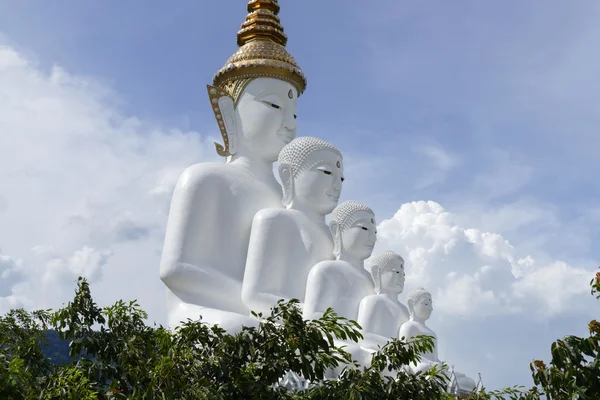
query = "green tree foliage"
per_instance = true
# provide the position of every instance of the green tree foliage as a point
(115, 355)
(574, 371)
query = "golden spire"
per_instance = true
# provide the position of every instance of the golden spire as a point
(262, 51)
(262, 22)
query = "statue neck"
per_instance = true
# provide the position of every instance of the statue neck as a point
(260, 169)
(312, 215)
(417, 319)
(389, 295)
(355, 262)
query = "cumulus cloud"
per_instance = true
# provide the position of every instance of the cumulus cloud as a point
(11, 273)
(477, 273)
(58, 270)
(80, 185)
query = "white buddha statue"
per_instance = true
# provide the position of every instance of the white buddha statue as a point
(420, 306)
(343, 282)
(254, 98)
(286, 243)
(381, 314)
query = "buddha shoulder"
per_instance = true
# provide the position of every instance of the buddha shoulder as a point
(207, 174)
(329, 267)
(374, 300)
(329, 270)
(411, 328)
(274, 216)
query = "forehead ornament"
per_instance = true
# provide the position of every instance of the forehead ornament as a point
(338, 164)
(291, 94)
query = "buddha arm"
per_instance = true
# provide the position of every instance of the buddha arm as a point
(409, 330)
(269, 255)
(192, 232)
(367, 319)
(320, 289)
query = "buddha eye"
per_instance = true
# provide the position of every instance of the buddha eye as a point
(326, 172)
(275, 106)
(364, 228)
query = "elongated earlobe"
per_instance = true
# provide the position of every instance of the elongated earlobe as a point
(411, 306)
(376, 273)
(336, 233)
(227, 107)
(287, 183)
(224, 109)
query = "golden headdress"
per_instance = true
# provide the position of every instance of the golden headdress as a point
(262, 53)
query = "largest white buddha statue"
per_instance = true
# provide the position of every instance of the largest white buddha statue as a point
(254, 98)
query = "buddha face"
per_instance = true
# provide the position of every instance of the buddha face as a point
(266, 117)
(359, 239)
(318, 188)
(423, 307)
(393, 276)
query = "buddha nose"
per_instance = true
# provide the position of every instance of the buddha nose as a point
(289, 120)
(373, 235)
(337, 184)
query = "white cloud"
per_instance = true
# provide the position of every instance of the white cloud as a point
(556, 286)
(441, 158)
(81, 184)
(439, 162)
(476, 273)
(506, 174)
(86, 262)
(11, 273)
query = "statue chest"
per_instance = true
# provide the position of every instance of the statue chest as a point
(317, 243)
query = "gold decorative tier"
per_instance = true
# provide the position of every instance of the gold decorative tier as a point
(262, 50)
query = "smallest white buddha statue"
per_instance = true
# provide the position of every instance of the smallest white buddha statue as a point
(420, 306)
(381, 314)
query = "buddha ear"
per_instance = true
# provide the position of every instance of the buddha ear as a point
(224, 109)
(227, 108)
(376, 273)
(336, 234)
(411, 306)
(287, 183)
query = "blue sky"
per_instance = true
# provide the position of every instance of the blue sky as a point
(489, 109)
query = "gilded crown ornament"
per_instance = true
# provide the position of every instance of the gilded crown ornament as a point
(261, 54)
